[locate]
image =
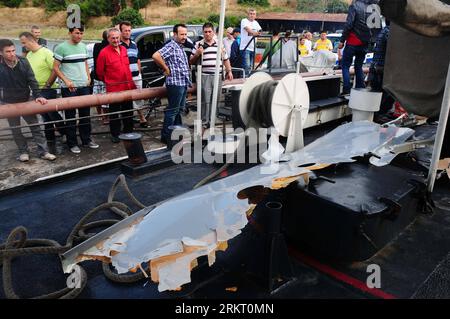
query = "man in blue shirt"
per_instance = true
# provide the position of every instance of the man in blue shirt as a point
(236, 56)
(135, 65)
(173, 60)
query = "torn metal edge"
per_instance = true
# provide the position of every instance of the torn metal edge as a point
(69, 256)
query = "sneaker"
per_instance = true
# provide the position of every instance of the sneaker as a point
(115, 139)
(75, 149)
(92, 145)
(24, 157)
(48, 156)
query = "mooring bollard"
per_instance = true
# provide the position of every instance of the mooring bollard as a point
(134, 148)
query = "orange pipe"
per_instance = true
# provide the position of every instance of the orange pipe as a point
(68, 103)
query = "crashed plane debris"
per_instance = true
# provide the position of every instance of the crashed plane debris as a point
(172, 235)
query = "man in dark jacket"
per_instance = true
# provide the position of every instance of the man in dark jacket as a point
(356, 36)
(16, 81)
(236, 57)
(377, 69)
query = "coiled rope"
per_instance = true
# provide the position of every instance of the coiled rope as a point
(17, 244)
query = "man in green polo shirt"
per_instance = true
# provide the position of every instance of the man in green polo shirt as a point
(41, 61)
(72, 68)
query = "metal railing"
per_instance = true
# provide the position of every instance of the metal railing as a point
(268, 55)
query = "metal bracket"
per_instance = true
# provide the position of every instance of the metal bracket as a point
(410, 146)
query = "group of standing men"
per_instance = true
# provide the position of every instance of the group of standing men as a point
(116, 64)
(175, 63)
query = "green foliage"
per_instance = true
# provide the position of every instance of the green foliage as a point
(173, 22)
(55, 5)
(11, 3)
(230, 21)
(131, 15)
(330, 6)
(176, 3)
(337, 6)
(89, 8)
(93, 8)
(37, 3)
(310, 6)
(261, 3)
(138, 4)
(196, 20)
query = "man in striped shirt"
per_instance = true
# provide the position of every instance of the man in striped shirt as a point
(72, 68)
(173, 60)
(135, 65)
(207, 50)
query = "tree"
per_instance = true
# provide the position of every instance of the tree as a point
(139, 4)
(11, 3)
(262, 3)
(176, 3)
(131, 15)
(330, 6)
(310, 6)
(337, 6)
(230, 20)
(55, 5)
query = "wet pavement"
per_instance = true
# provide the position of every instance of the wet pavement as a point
(14, 173)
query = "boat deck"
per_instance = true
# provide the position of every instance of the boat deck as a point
(414, 265)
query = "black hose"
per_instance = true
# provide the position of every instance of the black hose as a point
(259, 104)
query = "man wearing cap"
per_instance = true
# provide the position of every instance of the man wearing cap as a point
(236, 56)
(228, 40)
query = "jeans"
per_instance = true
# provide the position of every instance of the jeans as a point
(21, 141)
(249, 58)
(359, 52)
(126, 118)
(84, 125)
(172, 114)
(50, 94)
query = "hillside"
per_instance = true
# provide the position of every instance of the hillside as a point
(156, 13)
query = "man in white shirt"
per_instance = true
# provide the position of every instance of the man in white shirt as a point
(228, 40)
(249, 28)
(308, 41)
